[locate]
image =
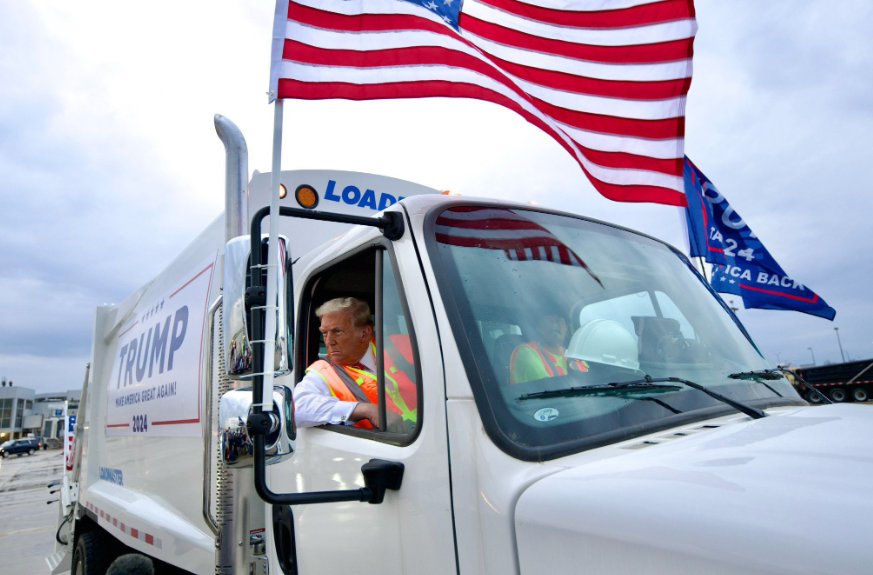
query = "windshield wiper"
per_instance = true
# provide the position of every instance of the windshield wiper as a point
(777, 373)
(608, 389)
(752, 412)
(648, 383)
(757, 376)
(641, 385)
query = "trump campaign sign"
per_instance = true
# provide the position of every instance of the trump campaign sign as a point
(741, 264)
(154, 388)
(69, 441)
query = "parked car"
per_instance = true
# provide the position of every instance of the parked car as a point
(19, 447)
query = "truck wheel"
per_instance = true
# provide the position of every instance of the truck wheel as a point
(838, 395)
(813, 397)
(860, 394)
(89, 557)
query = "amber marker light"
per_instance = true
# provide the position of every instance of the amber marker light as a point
(449, 193)
(283, 191)
(306, 196)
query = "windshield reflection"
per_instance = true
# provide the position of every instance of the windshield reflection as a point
(551, 302)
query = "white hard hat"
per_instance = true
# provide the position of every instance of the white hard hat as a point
(605, 341)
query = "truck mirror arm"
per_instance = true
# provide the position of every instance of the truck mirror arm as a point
(379, 475)
(391, 223)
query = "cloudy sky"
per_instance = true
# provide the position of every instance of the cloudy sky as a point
(109, 163)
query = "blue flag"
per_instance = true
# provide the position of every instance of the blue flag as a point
(741, 264)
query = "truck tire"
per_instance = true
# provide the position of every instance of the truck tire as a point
(838, 395)
(90, 558)
(860, 394)
(813, 397)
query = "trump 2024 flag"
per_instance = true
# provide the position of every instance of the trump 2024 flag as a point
(607, 79)
(741, 264)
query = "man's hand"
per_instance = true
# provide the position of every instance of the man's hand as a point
(370, 411)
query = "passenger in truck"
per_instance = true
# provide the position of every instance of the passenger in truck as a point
(342, 387)
(543, 356)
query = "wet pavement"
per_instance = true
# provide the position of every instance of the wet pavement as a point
(27, 523)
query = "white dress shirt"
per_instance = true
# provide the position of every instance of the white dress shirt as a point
(314, 405)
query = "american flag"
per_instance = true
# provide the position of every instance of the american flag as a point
(520, 238)
(607, 79)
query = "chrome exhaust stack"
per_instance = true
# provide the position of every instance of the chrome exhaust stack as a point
(236, 173)
(240, 517)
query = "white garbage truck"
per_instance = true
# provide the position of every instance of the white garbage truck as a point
(576, 399)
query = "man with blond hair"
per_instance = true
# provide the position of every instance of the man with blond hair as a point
(342, 387)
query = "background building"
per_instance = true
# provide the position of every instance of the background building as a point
(24, 413)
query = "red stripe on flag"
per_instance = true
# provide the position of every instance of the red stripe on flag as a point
(363, 22)
(425, 55)
(497, 243)
(288, 88)
(667, 128)
(638, 54)
(652, 13)
(496, 223)
(626, 89)
(414, 56)
(671, 166)
(813, 299)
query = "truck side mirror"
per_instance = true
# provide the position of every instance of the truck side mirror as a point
(234, 410)
(237, 331)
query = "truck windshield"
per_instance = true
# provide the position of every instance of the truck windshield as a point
(543, 302)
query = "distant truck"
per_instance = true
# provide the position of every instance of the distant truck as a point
(850, 381)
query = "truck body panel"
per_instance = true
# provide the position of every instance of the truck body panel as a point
(146, 489)
(413, 530)
(745, 497)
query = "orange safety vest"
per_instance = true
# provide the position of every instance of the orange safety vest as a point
(550, 362)
(357, 383)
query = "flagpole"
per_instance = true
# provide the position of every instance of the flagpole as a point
(703, 268)
(272, 256)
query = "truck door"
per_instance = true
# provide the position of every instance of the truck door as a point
(412, 531)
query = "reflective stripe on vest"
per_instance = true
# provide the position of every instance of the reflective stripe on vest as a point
(551, 362)
(336, 385)
(357, 384)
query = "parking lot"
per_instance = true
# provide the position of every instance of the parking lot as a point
(27, 523)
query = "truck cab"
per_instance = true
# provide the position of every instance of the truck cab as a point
(462, 292)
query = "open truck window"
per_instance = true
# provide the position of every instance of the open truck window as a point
(546, 302)
(356, 276)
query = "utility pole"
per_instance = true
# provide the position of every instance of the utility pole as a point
(813, 355)
(837, 330)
